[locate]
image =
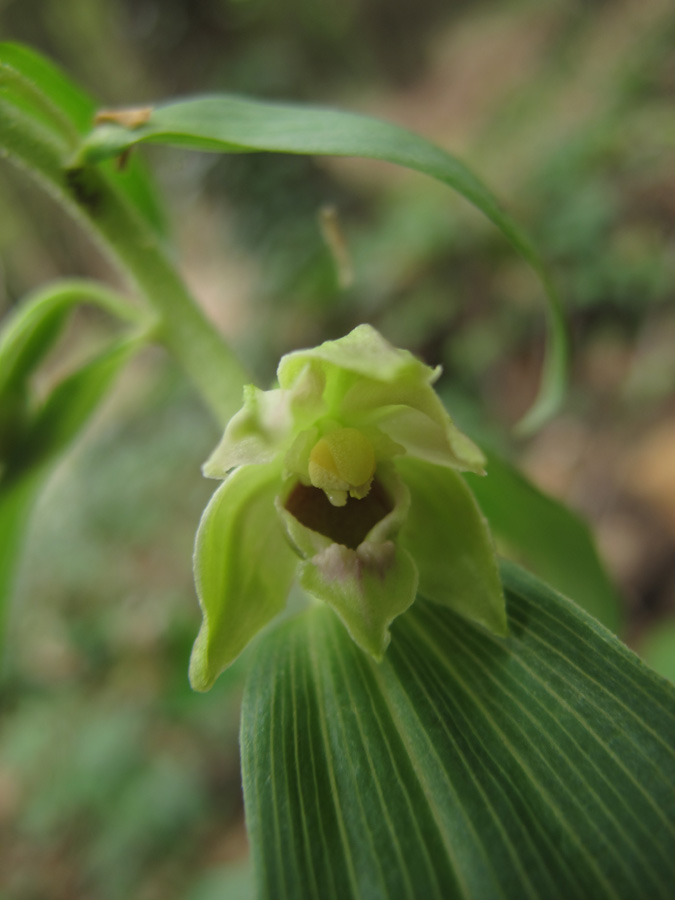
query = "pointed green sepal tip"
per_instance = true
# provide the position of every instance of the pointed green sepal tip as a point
(243, 569)
(367, 587)
(452, 546)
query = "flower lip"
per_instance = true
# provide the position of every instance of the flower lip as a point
(348, 524)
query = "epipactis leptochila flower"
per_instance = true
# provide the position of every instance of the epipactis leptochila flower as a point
(346, 475)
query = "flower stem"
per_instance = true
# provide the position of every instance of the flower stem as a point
(89, 192)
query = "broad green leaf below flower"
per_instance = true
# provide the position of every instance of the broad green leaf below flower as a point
(243, 569)
(462, 767)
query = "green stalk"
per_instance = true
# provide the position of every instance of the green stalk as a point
(89, 193)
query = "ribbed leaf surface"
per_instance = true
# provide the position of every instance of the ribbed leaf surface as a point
(463, 765)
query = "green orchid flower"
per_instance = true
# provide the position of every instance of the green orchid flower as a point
(345, 476)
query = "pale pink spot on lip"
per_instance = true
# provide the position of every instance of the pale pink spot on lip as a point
(340, 563)
(377, 558)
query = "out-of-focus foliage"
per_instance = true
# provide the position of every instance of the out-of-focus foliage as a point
(566, 109)
(106, 753)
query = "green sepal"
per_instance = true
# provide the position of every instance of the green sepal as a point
(254, 435)
(243, 569)
(451, 544)
(367, 587)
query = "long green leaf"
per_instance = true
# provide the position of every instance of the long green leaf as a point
(463, 766)
(33, 325)
(32, 439)
(16, 502)
(73, 400)
(51, 430)
(231, 124)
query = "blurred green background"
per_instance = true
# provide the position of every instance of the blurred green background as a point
(116, 781)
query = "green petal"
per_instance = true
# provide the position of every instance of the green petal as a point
(367, 588)
(451, 544)
(243, 569)
(254, 435)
